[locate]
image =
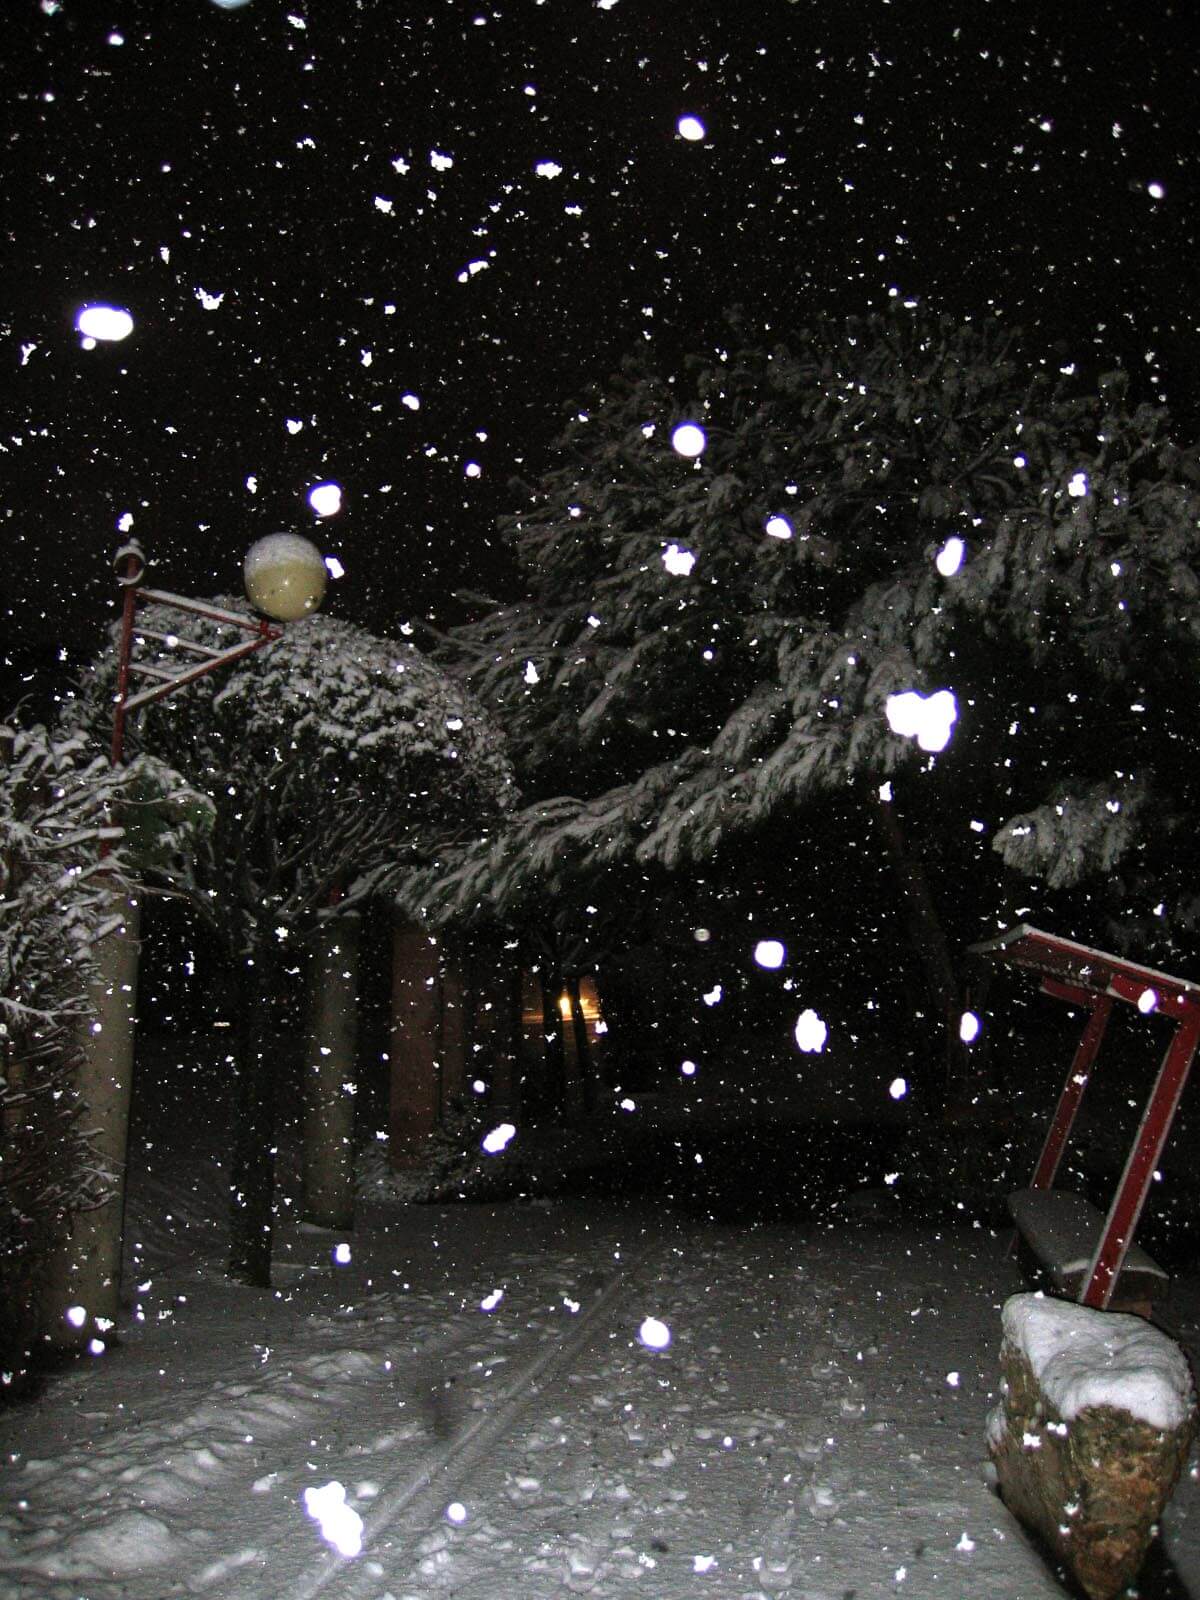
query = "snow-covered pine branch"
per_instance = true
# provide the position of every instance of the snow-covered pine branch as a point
(707, 644)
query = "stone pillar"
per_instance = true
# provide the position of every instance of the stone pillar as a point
(330, 1075)
(416, 1073)
(81, 1283)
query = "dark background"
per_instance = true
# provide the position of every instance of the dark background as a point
(991, 158)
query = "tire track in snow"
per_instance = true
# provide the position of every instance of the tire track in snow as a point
(408, 1509)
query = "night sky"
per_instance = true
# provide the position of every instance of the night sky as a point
(387, 243)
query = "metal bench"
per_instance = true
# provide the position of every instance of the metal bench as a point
(1061, 1235)
(1058, 1233)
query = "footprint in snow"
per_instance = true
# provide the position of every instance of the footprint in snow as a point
(522, 1490)
(820, 1501)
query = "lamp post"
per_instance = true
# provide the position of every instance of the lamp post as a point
(285, 580)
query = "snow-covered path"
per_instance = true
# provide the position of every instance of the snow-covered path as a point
(814, 1428)
(791, 1439)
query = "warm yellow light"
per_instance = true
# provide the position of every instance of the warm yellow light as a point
(589, 1006)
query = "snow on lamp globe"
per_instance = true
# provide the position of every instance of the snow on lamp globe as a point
(285, 577)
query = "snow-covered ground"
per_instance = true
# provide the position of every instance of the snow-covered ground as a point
(483, 1383)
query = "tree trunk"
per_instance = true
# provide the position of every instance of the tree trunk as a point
(493, 1020)
(508, 1078)
(453, 1043)
(83, 1273)
(583, 1049)
(252, 1178)
(416, 1075)
(550, 982)
(929, 941)
(331, 1075)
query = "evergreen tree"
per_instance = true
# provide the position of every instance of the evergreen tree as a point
(706, 645)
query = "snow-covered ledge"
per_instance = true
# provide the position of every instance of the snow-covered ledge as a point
(1095, 1424)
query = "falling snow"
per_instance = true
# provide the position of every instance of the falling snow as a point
(669, 366)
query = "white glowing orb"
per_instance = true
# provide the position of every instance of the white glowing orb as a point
(1078, 486)
(334, 567)
(326, 499)
(950, 557)
(688, 440)
(285, 576)
(778, 527)
(1147, 1001)
(702, 935)
(456, 1512)
(531, 674)
(810, 1033)
(688, 1068)
(713, 997)
(690, 128)
(1156, 191)
(968, 1027)
(769, 953)
(96, 1347)
(341, 1255)
(473, 469)
(491, 1301)
(678, 561)
(108, 324)
(230, 5)
(655, 1335)
(898, 1088)
(500, 1136)
(341, 1526)
(926, 718)
(76, 1316)
(628, 1105)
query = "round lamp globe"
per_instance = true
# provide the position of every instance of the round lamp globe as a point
(285, 577)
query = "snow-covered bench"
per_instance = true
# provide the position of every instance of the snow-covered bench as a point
(1058, 1232)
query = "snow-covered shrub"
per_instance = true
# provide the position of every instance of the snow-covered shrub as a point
(330, 759)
